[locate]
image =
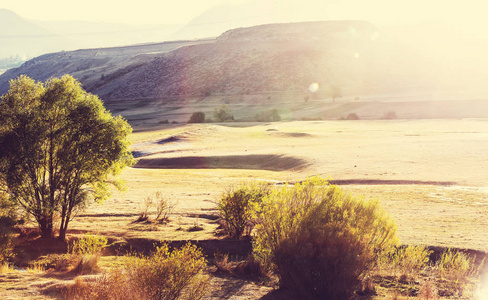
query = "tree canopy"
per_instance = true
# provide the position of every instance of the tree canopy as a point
(59, 148)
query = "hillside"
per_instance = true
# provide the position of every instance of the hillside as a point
(266, 58)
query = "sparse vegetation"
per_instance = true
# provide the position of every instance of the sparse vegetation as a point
(390, 115)
(271, 115)
(222, 114)
(237, 208)
(319, 240)
(164, 208)
(410, 260)
(197, 117)
(177, 274)
(87, 250)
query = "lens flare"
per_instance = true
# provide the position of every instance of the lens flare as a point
(482, 291)
(313, 87)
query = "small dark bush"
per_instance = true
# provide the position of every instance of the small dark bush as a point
(352, 116)
(197, 117)
(390, 115)
(319, 240)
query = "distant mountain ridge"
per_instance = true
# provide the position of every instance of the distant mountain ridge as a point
(19, 37)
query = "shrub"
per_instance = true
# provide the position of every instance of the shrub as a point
(88, 250)
(410, 260)
(112, 285)
(237, 208)
(222, 114)
(319, 240)
(197, 117)
(89, 244)
(164, 208)
(271, 115)
(390, 115)
(458, 268)
(352, 116)
(165, 274)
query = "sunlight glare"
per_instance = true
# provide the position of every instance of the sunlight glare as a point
(356, 55)
(375, 36)
(314, 87)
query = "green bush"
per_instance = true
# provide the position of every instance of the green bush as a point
(222, 114)
(87, 251)
(165, 274)
(319, 240)
(410, 260)
(271, 115)
(458, 269)
(237, 208)
(197, 117)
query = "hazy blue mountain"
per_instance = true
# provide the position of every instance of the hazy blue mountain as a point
(21, 38)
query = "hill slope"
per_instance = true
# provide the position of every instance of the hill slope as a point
(267, 58)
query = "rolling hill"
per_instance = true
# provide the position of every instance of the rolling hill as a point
(261, 67)
(261, 59)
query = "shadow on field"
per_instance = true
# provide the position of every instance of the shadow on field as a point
(270, 162)
(389, 182)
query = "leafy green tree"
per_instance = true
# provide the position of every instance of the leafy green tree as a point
(59, 148)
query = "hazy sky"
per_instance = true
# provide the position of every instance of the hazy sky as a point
(138, 11)
(466, 13)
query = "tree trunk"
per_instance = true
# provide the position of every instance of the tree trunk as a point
(46, 226)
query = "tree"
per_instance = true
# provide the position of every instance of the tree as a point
(333, 91)
(222, 114)
(59, 148)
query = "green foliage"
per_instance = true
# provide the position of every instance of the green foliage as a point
(87, 250)
(197, 117)
(237, 208)
(165, 274)
(59, 148)
(271, 115)
(222, 114)
(89, 244)
(456, 266)
(7, 223)
(410, 260)
(319, 240)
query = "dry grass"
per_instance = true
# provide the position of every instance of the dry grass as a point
(400, 151)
